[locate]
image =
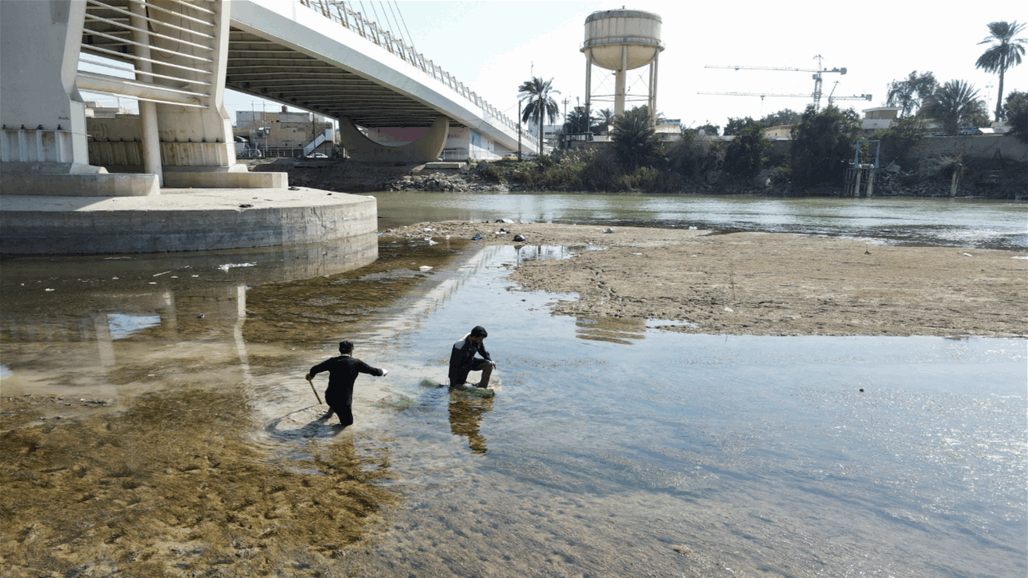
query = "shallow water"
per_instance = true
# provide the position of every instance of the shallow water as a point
(612, 448)
(947, 222)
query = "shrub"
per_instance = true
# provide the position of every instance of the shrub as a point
(744, 155)
(823, 146)
(635, 141)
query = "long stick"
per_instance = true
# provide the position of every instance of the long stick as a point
(314, 390)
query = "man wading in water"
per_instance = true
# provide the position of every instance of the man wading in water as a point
(342, 372)
(463, 360)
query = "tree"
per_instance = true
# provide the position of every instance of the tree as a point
(785, 116)
(744, 155)
(1003, 55)
(822, 145)
(577, 122)
(733, 126)
(709, 129)
(911, 94)
(635, 141)
(954, 104)
(899, 139)
(1016, 111)
(539, 104)
(605, 118)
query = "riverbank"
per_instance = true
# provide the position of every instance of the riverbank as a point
(764, 283)
(929, 179)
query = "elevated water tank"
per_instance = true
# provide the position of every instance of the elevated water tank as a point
(622, 40)
(611, 33)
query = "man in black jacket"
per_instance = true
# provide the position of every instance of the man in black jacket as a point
(343, 371)
(463, 360)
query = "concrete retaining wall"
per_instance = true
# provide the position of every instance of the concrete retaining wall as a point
(203, 221)
(982, 147)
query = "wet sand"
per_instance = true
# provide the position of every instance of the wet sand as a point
(171, 486)
(766, 283)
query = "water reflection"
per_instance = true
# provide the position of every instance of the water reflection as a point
(97, 310)
(466, 414)
(623, 330)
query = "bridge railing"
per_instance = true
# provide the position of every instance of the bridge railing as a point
(369, 30)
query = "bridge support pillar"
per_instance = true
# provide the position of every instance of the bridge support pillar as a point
(425, 149)
(43, 145)
(185, 132)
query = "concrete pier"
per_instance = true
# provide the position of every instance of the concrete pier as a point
(181, 220)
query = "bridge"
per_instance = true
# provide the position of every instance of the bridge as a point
(177, 58)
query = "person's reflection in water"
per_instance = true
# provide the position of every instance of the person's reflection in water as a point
(466, 416)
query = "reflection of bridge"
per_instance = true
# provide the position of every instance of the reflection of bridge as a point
(177, 57)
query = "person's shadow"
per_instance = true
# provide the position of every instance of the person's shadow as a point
(466, 416)
(302, 424)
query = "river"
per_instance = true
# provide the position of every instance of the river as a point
(952, 222)
(611, 448)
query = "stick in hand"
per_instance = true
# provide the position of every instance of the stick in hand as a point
(313, 388)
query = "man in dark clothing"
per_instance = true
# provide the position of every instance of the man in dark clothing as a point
(463, 360)
(343, 371)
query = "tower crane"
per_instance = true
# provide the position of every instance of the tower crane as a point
(817, 76)
(831, 98)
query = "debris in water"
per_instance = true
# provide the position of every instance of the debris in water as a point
(228, 266)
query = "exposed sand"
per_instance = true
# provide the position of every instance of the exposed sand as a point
(768, 284)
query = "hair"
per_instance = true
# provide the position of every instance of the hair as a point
(345, 346)
(479, 331)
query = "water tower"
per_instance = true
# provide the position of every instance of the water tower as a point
(622, 40)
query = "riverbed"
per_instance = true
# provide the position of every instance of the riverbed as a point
(155, 422)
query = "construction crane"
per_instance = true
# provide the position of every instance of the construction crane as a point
(831, 98)
(817, 76)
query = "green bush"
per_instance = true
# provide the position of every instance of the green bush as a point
(744, 154)
(635, 141)
(822, 146)
(898, 140)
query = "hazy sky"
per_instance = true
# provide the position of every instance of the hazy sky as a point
(493, 46)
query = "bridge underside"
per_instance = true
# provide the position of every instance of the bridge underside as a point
(268, 70)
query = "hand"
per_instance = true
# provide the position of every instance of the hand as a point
(385, 372)
(308, 377)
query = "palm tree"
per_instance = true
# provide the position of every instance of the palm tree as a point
(1006, 54)
(577, 123)
(539, 104)
(605, 118)
(635, 141)
(953, 103)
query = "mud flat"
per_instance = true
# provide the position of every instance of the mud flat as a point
(765, 283)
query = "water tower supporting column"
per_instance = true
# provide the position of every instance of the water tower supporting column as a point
(622, 40)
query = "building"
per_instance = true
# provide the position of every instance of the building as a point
(881, 117)
(779, 132)
(283, 129)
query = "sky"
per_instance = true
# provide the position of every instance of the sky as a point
(494, 46)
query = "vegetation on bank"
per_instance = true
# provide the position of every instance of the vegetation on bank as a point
(822, 149)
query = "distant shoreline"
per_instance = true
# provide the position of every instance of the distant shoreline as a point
(487, 177)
